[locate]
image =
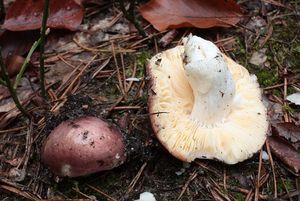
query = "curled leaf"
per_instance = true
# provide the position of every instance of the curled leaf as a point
(285, 153)
(27, 15)
(289, 131)
(165, 14)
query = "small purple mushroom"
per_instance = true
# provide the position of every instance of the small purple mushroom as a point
(83, 146)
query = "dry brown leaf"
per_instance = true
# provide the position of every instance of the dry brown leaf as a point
(289, 131)
(165, 14)
(284, 152)
(27, 15)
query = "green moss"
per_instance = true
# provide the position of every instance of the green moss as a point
(112, 92)
(266, 78)
(287, 109)
(282, 186)
(234, 182)
(142, 58)
(239, 196)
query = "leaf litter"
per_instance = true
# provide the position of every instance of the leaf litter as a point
(201, 14)
(25, 15)
(104, 57)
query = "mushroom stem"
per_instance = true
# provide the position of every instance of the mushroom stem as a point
(210, 79)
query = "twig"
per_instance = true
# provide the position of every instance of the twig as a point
(10, 87)
(249, 195)
(224, 179)
(286, 116)
(12, 130)
(217, 191)
(42, 47)
(246, 191)
(102, 193)
(191, 178)
(290, 195)
(258, 177)
(127, 108)
(28, 146)
(22, 193)
(273, 169)
(210, 169)
(273, 87)
(95, 50)
(117, 68)
(128, 87)
(136, 178)
(83, 194)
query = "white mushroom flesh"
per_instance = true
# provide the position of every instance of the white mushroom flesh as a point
(211, 81)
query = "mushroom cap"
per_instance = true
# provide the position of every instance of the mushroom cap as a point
(83, 146)
(170, 104)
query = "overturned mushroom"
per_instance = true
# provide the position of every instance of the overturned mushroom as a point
(204, 105)
(83, 146)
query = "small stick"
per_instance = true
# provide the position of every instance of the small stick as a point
(191, 178)
(22, 193)
(118, 69)
(12, 130)
(90, 49)
(206, 168)
(81, 193)
(273, 169)
(133, 75)
(256, 197)
(286, 117)
(224, 179)
(136, 178)
(127, 108)
(134, 45)
(245, 191)
(273, 87)
(78, 76)
(123, 72)
(249, 195)
(102, 193)
(42, 48)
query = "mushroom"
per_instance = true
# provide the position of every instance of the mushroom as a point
(83, 146)
(204, 105)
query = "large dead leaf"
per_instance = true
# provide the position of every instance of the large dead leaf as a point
(27, 15)
(166, 14)
(285, 153)
(289, 131)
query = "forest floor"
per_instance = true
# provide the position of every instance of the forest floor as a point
(266, 42)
